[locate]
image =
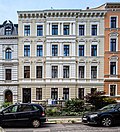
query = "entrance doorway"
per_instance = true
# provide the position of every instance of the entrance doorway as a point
(8, 96)
(26, 95)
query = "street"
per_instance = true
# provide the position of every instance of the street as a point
(65, 128)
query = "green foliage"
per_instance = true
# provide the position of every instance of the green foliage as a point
(53, 111)
(74, 105)
(99, 100)
(6, 104)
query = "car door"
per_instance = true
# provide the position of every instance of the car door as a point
(9, 115)
(24, 113)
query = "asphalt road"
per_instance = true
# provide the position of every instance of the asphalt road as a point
(65, 128)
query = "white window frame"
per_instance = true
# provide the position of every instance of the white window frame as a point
(115, 91)
(82, 43)
(94, 43)
(116, 21)
(113, 37)
(26, 24)
(98, 27)
(82, 23)
(36, 29)
(30, 49)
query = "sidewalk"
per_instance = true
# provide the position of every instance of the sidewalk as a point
(64, 120)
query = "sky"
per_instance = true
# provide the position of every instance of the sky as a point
(9, 8)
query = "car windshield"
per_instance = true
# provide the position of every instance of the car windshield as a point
(111, 106)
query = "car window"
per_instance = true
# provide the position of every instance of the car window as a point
(24, 108)
(35, 107)
(111, 106)
(11, 109)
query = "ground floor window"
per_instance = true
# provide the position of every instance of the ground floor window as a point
(81, 93)
(65, 93)
(93, 90)
(38, 93)
(54, 93)
(8, 96)
(112, 90)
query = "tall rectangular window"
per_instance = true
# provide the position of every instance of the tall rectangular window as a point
(113, 45)
(81, 93)
(38, 71)
(54, 29)
(54, 71)
(93, 50)
(93, 72)
(54, 50)
(112, 68)
(93, 90)
(112, 90)
(66, 30)
(38, 93)
(27, 30)
(81, 71)
(66, 50)
(27, 50)
(39, 30)
(113, 22)
(54, 93)
(66, 93)
(81, 50)
(65, 71)
(94, 30)
(39, 50)
(26, 71)
(8, 74)
(81, 30)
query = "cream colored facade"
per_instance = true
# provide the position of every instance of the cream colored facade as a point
(73, 18)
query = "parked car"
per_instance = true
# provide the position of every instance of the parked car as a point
(23, 114)
(107, 116)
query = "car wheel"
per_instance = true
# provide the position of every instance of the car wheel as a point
(36, 123)
(106, 121)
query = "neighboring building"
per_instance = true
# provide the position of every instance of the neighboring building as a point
(112, 50)
(8, 62)
(61, 54)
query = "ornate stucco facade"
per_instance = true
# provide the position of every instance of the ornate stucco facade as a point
(8, 62)
(79, 59)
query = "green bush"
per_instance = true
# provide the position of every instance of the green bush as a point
(6, 104)
(74, 105)
(53, 111)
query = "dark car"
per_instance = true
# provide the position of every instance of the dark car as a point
(107, 116)
(23, 114)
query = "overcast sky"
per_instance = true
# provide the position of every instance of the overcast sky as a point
(9, 8)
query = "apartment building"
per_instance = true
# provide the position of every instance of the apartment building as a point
(61, 54)
(112, 50)
(8, 62)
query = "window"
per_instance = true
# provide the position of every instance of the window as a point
(39, 30)
(38, 71)
(93, 50)
(81, 71)
(54, 50)
(27, 30)
(66, 50)
(81, 30)
(65, 71)
(66, 93)
(81, 93)
(26, 71)
(54, 93)
(38, 93)
(112, 68)
(112, 90)
(66, 30)
(94, 30)
(93, 90)
(54, 29)
(11, 109)
(113, 45)
(113, 22)
(25, 108)
(27, 50)
(81, 50)
(39, 50)
(93, 72)
(8, 31)
(8, 53)
(8, 74)
(54, 71)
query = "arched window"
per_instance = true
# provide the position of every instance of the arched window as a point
(8, 31)
(8, 53)
(8, 96)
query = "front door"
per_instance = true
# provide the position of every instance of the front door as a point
(26, 95)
